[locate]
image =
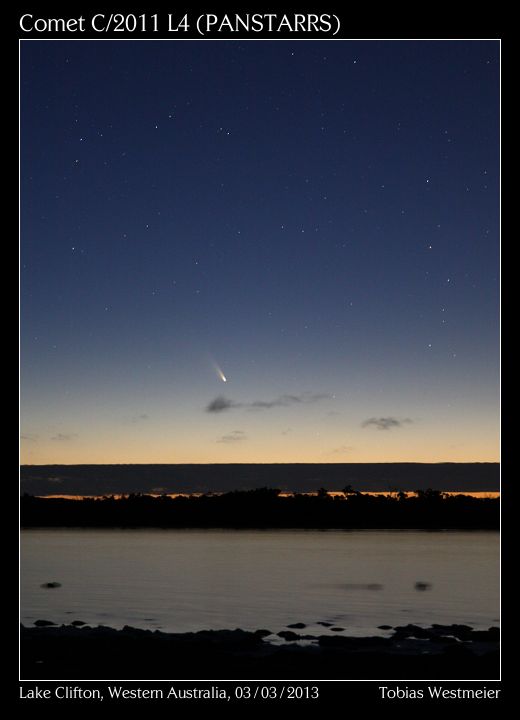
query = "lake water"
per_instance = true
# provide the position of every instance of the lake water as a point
(186, 580)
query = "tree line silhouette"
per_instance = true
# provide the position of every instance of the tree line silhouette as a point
(266, 508)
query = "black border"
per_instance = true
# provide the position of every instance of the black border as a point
(386, 22)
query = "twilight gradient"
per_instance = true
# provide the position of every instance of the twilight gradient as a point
(318, 222)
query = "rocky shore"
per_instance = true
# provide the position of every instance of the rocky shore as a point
(78, 652)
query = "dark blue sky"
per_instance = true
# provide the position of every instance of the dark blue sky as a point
(319, 220)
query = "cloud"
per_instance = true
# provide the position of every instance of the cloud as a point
(385, 423)
(286, 400)
(340, 450)
(221, 403)
(28, 437)
(232, 437)
(135, 419)
(64, 437)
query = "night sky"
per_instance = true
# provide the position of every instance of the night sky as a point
(317, 222)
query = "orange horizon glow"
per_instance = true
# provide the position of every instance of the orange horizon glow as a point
(481, 494)
(280, 456)
(302, 439)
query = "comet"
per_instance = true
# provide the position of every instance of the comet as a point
(219, 372)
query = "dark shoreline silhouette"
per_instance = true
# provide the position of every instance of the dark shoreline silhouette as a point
(293, 477)
(266, 508)
(412, 652)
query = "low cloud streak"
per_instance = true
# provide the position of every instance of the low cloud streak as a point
(233, 437)
(386, 423)
(340, 450)
(221, 403)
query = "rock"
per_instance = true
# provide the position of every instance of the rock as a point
(95, 651)
(262, 633)
(51, 585)
(491, 635)
(407, 631)
(338, 641)
(445, 639)
(421, 586)
(354, 643)
(43, 623)
(135, 632)
(337, 629)
(458, 650)
(384, 627)
(78, 623)
(462, 632)
(361, 586)
(298, 626)
(231, 639)
(325, 624)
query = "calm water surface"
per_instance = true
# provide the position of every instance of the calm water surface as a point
(182, 580)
